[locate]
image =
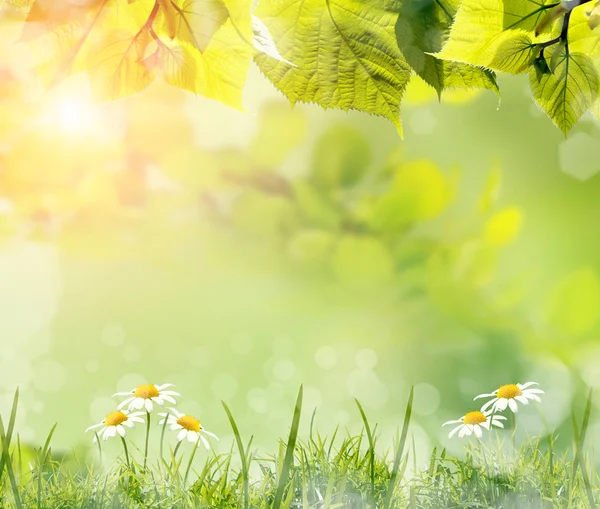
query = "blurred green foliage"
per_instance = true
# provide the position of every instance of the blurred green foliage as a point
(324, 253)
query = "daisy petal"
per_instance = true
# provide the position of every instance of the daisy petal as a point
(528, 384)
(453, 422)
(128, 393)
(491, 402)
(169, 393)
(453, 432)
(210, 434)
(205, 442)
(513, 405)
(124, 403)
(492, 394)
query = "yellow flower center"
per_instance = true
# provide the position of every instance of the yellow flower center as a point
(509, 391)
(475, 417)
(146, 391)
(188, 422)
(115, 418)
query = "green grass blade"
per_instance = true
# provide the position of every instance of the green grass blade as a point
(400, 449)
(289, 453)
(11, 425)
(371, 451)
(312, 422)
(46, 448)
(584, 427)
(7, 461)
(579, 441)
(241, 450)
(162, 436)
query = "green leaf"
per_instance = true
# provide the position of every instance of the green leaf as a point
(317, 209)
(340, 159)
(422, 27)
(573, 305)
(568, 92)
(503, 36)
(272, 144)
(263, 41)
(204, 46)
(198, 21)
(345, 51)
(503, 227)
(221, 34)
(491, 191)
(362, 261)
(177, 63)
(419, 192)
(594, 19)
(115, 68)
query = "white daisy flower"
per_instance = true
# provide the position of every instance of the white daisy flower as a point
(508, 396)
(189, 427)
(115, 423)
(472, 422)
(144, 397)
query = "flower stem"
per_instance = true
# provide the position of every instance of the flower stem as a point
(147, 437)
(513, 422)
(126, 452)
(174, 456)
(162, 436)
(99, 447)
(189, 466)
(176, 449)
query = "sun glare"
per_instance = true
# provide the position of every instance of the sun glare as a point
(71, 115)
(75, 116)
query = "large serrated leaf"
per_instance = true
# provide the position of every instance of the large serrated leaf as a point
(345, 51)
(497, 34)
(568, 92)
(422, 28)
(204, 46)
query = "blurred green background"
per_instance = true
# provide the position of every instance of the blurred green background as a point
(166, 238)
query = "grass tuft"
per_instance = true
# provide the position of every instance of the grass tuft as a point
(322, 472)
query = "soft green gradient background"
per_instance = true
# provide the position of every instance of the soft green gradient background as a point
(231, 318)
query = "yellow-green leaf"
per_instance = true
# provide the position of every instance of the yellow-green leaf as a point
(421, 29)
(569, 90)
(345, 51)
(497, 34)
(573, 305)
(503, 227)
